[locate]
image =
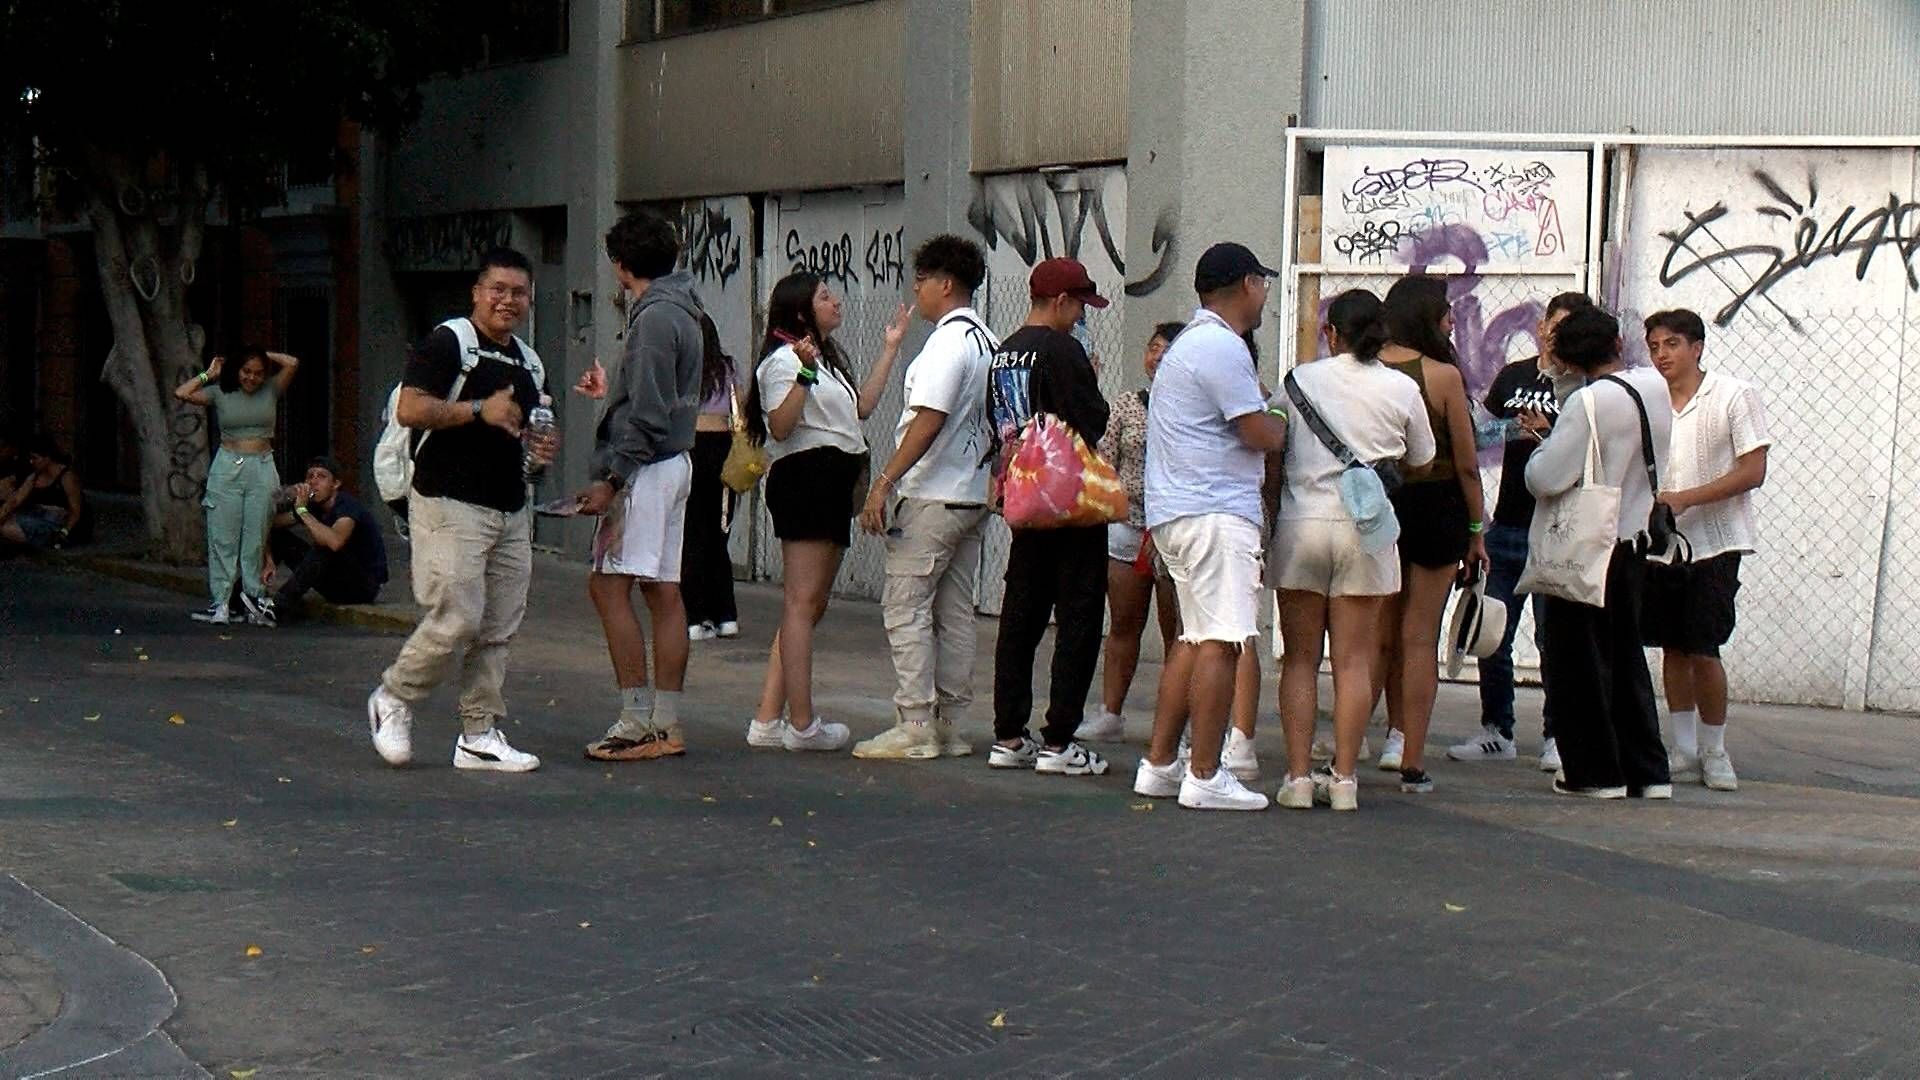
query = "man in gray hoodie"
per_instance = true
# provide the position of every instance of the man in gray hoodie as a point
(641, 475)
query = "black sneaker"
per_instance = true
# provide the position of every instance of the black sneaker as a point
(259, 611)
(1415, 781)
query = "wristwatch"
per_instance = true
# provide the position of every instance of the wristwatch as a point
(478, 407)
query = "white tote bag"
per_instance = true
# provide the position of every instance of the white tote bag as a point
(1571, 542)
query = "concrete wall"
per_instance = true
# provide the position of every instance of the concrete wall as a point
(488, 139)
(1049, 83)
(808, 101)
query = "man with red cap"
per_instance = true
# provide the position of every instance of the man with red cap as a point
(1051, 573)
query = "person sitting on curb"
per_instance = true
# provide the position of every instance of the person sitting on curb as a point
(330, 542)
(44, 507)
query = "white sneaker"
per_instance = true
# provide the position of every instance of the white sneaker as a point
(1716, 771)
(1490, 746)
(1185, 753)
(1159, 781)
(1560, 788)
(901, 742)
(1238, 758)
(259, 611)
(1390, 754)
(1022, 756)
(1296, 793)
(951, 745)
(490, 751)
(728, 629)
(1342, 793)
(215, 613)
(1221, 791)
(701, 632)
(1550, 756)
(1102, 727)
(391, 722)
(1683, 766)
(1651, 791)
(820, 735)
(765, 734)
(1075, 760)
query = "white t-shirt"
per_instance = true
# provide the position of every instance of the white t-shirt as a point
(1375, 410)
(1725, 420)
(830, 417)
(950, 375)
(1196, 463)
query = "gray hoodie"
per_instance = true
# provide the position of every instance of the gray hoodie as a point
(654, 396)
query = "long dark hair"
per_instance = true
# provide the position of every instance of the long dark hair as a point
(1355, 316)
(1412, 313)
(790, 312)
(716, 367)
(230, 369)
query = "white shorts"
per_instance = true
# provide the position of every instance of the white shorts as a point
(1322, 555)
(641, 535)
(1214, 560)
(1123, 542)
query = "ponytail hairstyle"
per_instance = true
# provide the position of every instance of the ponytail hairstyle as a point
(790, 312)
(716, 367)
(1587, 338)
(1412, 313)
(1355, 316)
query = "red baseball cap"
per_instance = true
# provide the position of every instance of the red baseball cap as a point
(1064, 277)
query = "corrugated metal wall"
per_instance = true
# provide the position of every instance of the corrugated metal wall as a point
(1694, 67)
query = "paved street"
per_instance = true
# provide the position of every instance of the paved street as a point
(197, 795)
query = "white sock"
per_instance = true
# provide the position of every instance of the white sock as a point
(636, 699)
(1685, 725)
(666, 708)
(1713, 738)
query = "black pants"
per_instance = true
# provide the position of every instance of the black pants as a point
(1060, 573)
(1598, 688)
(332, 574)
(706, 569)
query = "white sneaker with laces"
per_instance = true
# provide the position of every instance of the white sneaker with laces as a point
(1159, 781)
(1683, 766)
(766, 734)
(701, 632)
(1221, 791)
(1716, 771)
(820, 735)
(1074, 760)
(1296, 793)
(1490, 746)
(1102, 727)
(1238, 758)
(391, 722)
(903, 741)
(1550, 756)
(259, 611)
(1336, 791)
(1390, 754)
(1022, 756)
(215, 613)
(728, 629)
(951, 744)
(489, 751)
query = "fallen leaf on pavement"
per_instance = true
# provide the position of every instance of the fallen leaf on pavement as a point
(255, 950)
(90, 717)
(810, 813)
(812, 844)
(584, 925)
(283, 779)
(242, 1074)
(1141, 806)
(708, 798)
(999, 1019)
(369, 950)
(231, 823)
(226, 637)
(176, 718)
(776, 821)
(1455, 908)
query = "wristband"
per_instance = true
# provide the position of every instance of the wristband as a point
(299, 511)
(1476, 527)
(477, 407)
(807, 377)
(206, 376)
(1277, 411)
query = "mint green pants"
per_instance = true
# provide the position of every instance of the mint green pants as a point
(239, 511)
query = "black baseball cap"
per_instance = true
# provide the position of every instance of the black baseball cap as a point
(1224, 264)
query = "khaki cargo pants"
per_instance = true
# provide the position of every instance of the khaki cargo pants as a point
(933, 570)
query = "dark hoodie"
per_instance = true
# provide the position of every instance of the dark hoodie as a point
(655, 395)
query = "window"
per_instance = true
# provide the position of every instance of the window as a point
(668, 18)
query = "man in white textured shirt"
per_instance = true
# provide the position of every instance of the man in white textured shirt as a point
(934, 488)
(1718, 457)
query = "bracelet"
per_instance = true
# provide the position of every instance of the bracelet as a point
(1277, 411)
(206, 376)
(1475, 528)
(807, 377)
(884, 480)
(300, 511)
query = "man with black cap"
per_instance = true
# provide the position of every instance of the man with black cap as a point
(1208, 435)
(1041, 368)
(330, 542)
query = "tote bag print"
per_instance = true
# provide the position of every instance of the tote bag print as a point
(1571, 541)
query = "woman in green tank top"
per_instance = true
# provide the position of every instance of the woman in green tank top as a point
(245, 401)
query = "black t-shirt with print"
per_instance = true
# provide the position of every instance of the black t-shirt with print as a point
(475, 463)
(1049, 371)
(1519, 386)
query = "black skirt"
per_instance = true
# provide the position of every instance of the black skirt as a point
(810, 495)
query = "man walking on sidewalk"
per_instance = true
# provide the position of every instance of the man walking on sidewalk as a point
(1040, 368)
(1208, 435)
(467, 512)
(1523, 394)
(935, 488)
(642, 473)
(1718, 457)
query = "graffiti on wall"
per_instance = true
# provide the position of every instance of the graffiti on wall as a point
(1075, 213)
(1378, 203)
(446, 241)
(710, 242)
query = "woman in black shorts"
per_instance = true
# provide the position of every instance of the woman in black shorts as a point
(804, 407)
(1441, 511)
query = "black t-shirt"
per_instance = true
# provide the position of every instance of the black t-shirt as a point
(477, 462)
(1519, 386)
(1050, 372)
(364, 546)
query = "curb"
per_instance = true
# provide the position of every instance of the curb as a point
(141, 573)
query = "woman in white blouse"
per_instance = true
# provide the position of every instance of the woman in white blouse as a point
(804, 407)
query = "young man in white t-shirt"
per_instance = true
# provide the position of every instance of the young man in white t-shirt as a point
(1208, 435)
(934, 488)
(1718, 456)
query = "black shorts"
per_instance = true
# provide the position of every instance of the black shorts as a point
(810, 495)
(1689, 608)
(1433, 523)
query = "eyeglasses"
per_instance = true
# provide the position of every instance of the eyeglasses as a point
(505, 292)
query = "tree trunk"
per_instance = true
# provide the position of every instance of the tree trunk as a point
(147, 241)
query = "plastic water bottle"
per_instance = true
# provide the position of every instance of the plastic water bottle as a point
(539, 425)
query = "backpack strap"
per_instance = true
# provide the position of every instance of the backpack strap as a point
(1318, 424)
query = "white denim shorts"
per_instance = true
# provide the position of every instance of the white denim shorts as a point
(1214, 560)
(641, 535)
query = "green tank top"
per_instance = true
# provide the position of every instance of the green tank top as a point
(1442, 466)
(243, 415)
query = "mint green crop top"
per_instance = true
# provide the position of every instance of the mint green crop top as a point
(243, 415)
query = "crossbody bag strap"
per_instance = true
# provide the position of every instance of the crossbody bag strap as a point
(1318, 424)
(1646, 430)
